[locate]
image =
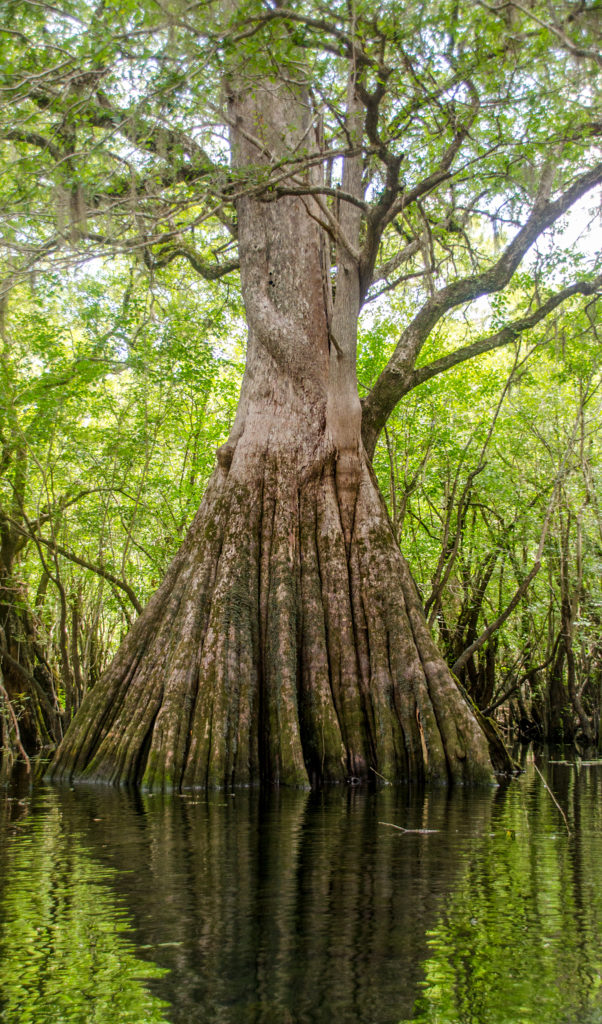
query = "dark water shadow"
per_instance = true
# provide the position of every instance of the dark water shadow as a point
(280, 907)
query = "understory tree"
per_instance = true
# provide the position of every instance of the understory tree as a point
(110, 420)
(327, 154)
(497, 509)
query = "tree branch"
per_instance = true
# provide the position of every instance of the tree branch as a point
(503, 336)
(33, 139)
(208, 271)
(393, 381)
(526, 583)
(72, 557)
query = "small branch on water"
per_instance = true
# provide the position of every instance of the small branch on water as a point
(553, 798)
(386, 781)
(414, 831)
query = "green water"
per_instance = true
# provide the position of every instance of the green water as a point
(296, 908)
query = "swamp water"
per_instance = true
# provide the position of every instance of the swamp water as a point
(296, 908)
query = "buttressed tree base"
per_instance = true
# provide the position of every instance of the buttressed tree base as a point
(287, 642)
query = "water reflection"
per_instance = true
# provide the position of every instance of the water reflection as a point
(64, 951)
(291, 908)
(518, 941)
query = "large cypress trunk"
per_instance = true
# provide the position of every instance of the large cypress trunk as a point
(287, 642)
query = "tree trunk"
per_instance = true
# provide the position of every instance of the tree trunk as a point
(270, 652)
(33, 720)
(287, 642)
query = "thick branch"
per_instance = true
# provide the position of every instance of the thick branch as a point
(390, 204)
(347, 44)
(209, 271)
(153, 138)
(393, 381)
(503, 336)
(34, 139)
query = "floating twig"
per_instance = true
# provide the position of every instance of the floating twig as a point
(414, 831)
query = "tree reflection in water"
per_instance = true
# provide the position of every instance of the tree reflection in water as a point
(291, 908)
(65, 952)
(518, 941)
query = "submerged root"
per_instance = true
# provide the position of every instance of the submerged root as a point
(278, 649)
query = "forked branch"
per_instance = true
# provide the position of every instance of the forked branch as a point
(395, 378)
